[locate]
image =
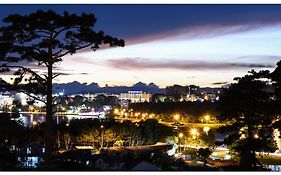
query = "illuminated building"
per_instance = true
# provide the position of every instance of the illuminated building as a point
(136, 96)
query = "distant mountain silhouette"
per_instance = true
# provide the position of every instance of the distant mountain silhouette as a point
(78, 88)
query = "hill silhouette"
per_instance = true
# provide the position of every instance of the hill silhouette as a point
(76, 87)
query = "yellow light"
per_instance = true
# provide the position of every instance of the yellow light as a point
(206, 97)
(180, 135)
(150, 116)
(256, 136)
(126, 114)
(194, 132)
(136, 114)
(206, 129)
(143, 115)
(207, 117)
(116, 111)
(243, 136)
(34, 122)
(176, 116)
(63, 108)
(101, 126)
(67, 124)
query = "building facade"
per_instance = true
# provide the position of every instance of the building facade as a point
(136, 96)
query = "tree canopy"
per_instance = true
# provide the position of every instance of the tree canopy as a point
(43, 38)
(247, 105)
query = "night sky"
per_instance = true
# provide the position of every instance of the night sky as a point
(206, 45)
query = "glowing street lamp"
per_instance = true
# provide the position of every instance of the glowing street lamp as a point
(207, 117)
(116, 111)
(206, 129)
(34, 123)
(180, 136)
(31, 108)
(194, 133)
(206, 97)
(101, 136)
(176, 116)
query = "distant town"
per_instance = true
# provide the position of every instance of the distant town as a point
(218, 106)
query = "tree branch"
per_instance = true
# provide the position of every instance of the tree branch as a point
(77, 48)
(34, 97)
(37, 76)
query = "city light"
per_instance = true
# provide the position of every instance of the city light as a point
(180, 135)
(206, 97)
(194, 133)
(116, 111)
(206, 129)
(31, 108)
(256, 136)
(176, 116)
(207, 117)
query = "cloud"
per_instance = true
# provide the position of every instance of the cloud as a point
(146, 64)
(220, 83)
(64, 73)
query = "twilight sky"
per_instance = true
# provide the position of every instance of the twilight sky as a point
(206, 45)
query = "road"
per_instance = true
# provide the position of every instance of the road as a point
(200, 125)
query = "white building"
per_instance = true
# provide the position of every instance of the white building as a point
(136, 96)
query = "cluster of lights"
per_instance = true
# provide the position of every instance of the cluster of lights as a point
(194, 133)
(130, 113)
(176, 116)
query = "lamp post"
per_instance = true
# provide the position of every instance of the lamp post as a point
(101, 136)
(180, 136)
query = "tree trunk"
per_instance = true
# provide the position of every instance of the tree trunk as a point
(248, 155)
(49, 113)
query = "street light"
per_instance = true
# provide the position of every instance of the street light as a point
(207, 117)
(31, 108)
(34, 123)
(176, 117)
(206, 129)
(101, 136)
(194, 133)
(116, 111)
(180, 136)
